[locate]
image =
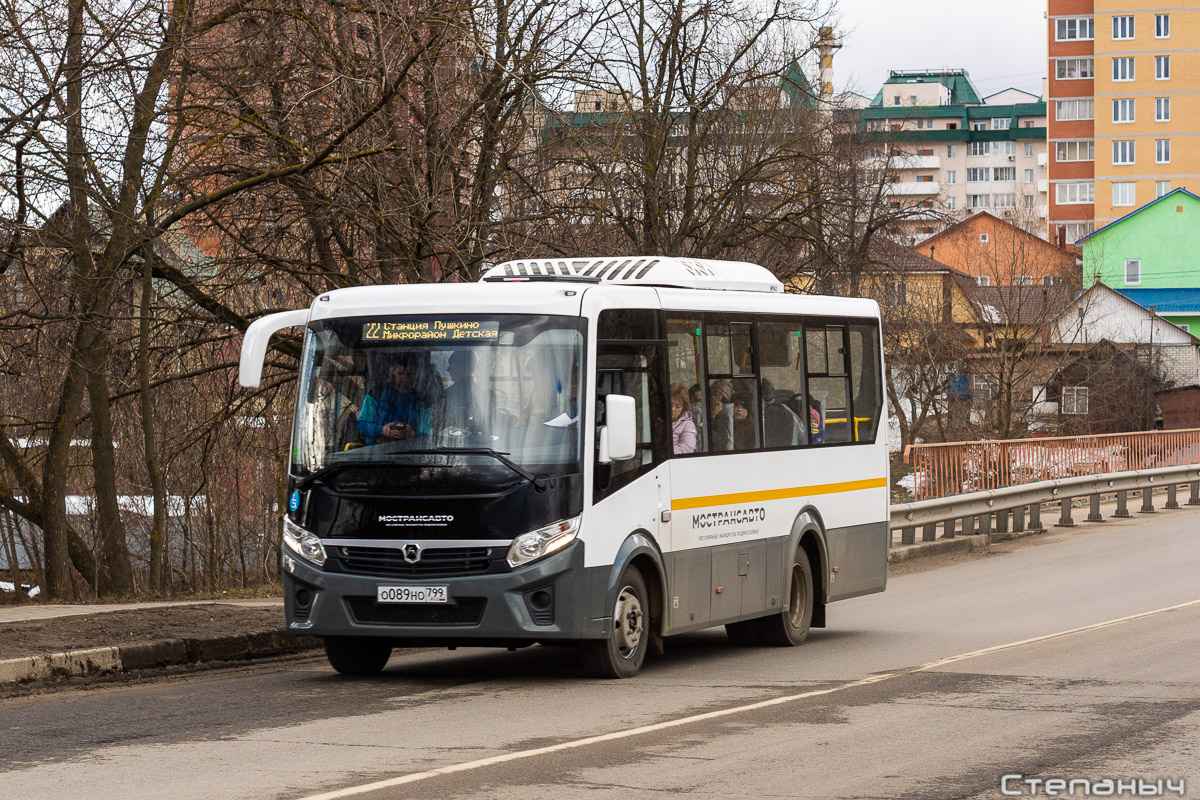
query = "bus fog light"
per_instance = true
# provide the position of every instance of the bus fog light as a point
(542, 542)
(303, 543)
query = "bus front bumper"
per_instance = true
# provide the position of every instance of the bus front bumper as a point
(543, 601)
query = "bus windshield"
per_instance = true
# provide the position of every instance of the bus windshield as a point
(499, 392)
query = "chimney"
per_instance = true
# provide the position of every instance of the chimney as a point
(827, 43)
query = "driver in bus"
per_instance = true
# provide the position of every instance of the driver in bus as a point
(399, 412)
(462, 410)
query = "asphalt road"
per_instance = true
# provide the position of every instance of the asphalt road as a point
(935, 689)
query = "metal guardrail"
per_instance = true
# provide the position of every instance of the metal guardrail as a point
(994, 509)
(955, 468)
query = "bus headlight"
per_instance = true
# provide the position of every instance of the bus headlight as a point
(542, 542)
(303, 543)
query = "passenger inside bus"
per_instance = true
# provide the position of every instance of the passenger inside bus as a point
(720, 397)
(683, 428)
(781, 425)
(816, 421)
(462, 407)
(397, 411)
(745, 435)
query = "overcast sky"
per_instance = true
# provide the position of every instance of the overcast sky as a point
(1001, 43)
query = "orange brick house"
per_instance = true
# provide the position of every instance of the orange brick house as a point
(996, 253)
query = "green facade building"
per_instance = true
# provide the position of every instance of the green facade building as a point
(1152, 256)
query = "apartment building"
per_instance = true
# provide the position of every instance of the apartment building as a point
(954, 152)
(1123, 110)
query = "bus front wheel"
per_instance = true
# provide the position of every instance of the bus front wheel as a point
(622, 653)
(790, 628)
(352, 655)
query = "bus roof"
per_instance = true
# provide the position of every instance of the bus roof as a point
(684, 273)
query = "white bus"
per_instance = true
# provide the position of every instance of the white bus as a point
(600, 451)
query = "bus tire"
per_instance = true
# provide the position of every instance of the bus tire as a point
(744, 633)
(352, 655)
(622, 653)
(790, 628)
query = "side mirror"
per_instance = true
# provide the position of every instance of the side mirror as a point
(254, 343)
(618, 439)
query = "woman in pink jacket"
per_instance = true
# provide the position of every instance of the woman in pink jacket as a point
(683, 428)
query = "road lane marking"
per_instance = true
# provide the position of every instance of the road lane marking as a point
(504, 758)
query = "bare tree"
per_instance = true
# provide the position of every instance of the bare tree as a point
(98, 122)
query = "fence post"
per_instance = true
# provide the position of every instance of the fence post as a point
(985, 523)
(948, 528)
(1035, 516)
(1122, 504)
(968, 528)
(1094, 514)
(1172, 496)
(1064, 517)
(1147, 501)
(908, 535)
(1194, 496)
(1002, 521)
(929, 532)
(1018, 519)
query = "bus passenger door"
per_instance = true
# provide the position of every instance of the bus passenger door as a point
(634, 493)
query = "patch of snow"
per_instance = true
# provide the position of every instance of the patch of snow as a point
(31, 591)
(912, 482)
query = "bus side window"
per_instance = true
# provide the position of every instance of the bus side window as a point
(864, 373)
(732, 413)
(784, 410)
(828, 388)
(685, 365)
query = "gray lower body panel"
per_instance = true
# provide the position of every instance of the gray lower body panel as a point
(860, 553)
(711, 586)
(483, 609)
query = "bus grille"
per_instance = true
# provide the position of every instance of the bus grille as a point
(388, 562)
(465, 611)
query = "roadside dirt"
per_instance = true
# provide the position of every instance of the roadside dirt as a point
(114, 628)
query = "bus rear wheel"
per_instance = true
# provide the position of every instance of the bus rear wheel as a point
(790, 628)
(353, 655)
(622, 653)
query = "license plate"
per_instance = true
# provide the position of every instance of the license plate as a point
(412, 594)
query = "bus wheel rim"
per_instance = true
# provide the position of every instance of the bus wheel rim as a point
(628, 620)
(799, 597)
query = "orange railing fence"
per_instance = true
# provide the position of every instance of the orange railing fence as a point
(941, 470)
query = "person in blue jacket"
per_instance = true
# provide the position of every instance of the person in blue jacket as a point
(399, 412)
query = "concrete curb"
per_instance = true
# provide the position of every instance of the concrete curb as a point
(150, 655)
(908, 552)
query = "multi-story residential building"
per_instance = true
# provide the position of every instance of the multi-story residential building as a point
(954, 152)
(1122, 113)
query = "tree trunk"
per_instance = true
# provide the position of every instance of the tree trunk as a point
(116, 573)
(158, 524)
(54, 468)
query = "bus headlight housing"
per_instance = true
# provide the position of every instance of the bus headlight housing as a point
(303, 543)
(542, 542)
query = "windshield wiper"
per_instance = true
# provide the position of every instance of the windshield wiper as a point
(503, 458)
(329, 469)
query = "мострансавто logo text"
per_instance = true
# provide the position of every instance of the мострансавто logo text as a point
(741, 516)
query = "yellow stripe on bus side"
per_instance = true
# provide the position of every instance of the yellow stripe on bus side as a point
(776, 494)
